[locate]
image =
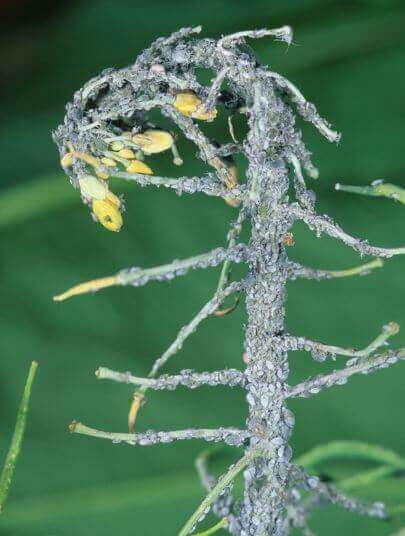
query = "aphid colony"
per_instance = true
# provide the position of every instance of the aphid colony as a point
(128, 150)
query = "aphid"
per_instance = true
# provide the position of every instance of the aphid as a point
(108, 214)
(153, 141)
(136, 166)
(189, 104)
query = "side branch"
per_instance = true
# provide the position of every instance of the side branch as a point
(324, 224)
(296, 270)
(314, 385)
(222, 507)
(330, 494)
(207, 184)
(306, 109)
(138, 277)
(208, 151)
(229, 377)
(230, 436)
(185, 332)
(320, 350)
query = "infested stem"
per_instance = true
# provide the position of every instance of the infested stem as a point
(231, 436)
(209, 308)
(318, 348)
(298, 271)
(216, 491)
(314, 385)
(230, 377)
(138, 277)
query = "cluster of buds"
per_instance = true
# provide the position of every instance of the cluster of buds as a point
(126, 151)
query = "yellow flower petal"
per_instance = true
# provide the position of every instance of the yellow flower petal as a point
(136, 166)
(108, 215)
(153, 141)
(128, 154)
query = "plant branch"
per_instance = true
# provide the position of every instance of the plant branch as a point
(319, 349)
(366, 365)
(229, 377)
(331, 494)
(231, 436)
(138, 277)
(190, 185)
(298, 271)
(209, 308)
(324, 224)
(218, 489)
(306, 109)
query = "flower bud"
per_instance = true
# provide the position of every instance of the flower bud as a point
(136, 166)
(153, 141)
(126, 153)
(109, 162)
(92, 188)
(108, 214)
(189, 104)
(67, 160)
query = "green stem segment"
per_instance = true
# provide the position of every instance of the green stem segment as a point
(216, 491)
(221, 524)
(17, 439)
(380, 189)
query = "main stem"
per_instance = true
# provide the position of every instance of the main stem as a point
(269, 421)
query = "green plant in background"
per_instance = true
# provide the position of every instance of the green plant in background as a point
(17, 439)
(107, 134)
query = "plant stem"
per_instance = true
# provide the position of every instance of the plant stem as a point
(216, 491)
(269, 422)
(17, 439)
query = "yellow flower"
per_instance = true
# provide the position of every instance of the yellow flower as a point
(189, 104)
(108, 214)
(126, 153)
(136, 166)
(153, 141)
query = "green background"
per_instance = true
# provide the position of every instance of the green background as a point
(347, 57)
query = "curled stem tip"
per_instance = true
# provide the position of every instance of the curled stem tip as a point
(90, 286)
(133, 410)
(73, 426)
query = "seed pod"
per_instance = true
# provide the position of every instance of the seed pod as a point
(230, 164)
(109, 162)
(189, 104)
(136, 166)
(92, 188)
(126, 153)
(153, 141)
(67, 160)
(108, 214)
